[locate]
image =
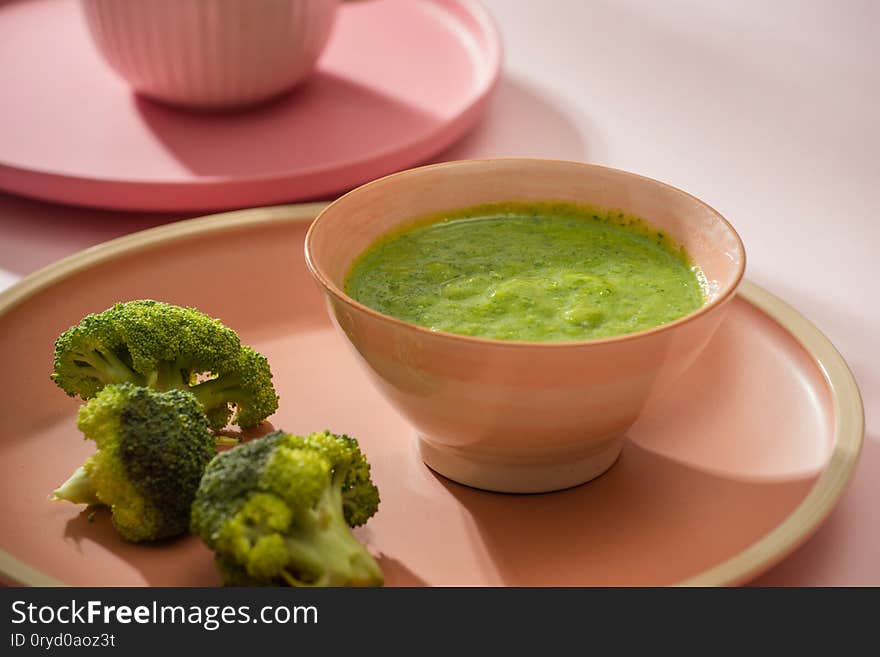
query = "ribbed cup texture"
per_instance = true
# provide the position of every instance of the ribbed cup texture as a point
(211, 53)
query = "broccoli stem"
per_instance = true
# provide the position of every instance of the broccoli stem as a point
(322, 547)
(169, 375)
(293, 581)
(331, 556)
(108, 367)
(222, 389)
(211, 393)
(77, 489)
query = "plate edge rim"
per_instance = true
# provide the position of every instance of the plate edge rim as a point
(849, 430)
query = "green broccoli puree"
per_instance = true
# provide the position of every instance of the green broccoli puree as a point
(535, 271)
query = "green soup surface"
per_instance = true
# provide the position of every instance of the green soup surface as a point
(533, 271)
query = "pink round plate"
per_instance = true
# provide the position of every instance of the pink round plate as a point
(399, 81)
(722, 478)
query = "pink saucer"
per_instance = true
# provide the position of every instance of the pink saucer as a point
(399, 81)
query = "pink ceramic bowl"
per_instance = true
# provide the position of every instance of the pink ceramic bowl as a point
(520, 416)
(211, 53)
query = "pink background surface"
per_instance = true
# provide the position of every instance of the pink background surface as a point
(767, 111)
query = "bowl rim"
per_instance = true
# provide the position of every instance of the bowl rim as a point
(724, 295)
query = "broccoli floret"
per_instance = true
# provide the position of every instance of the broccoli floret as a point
(166, 347)
(153, 448)
(278, 511)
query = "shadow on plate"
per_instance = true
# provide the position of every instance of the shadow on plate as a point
(189, 563)
(648, 521)
(397, 574)
(839, 554)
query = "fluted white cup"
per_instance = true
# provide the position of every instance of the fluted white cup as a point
(211, 53)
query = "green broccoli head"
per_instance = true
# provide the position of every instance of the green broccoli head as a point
(152, 449)
(278, 511)
(166, 347)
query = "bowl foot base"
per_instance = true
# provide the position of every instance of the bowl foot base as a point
(526, 476)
